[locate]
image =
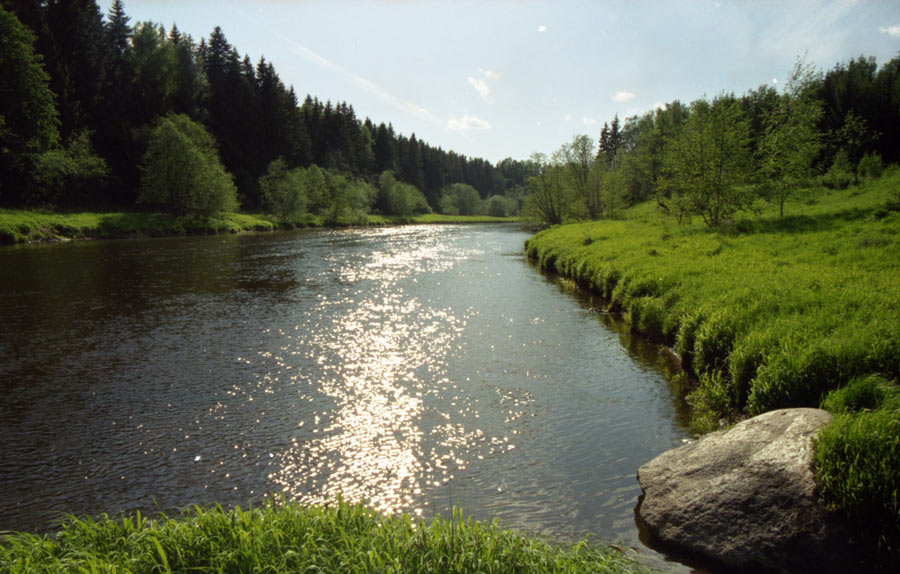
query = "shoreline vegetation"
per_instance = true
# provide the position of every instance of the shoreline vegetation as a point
(19, 226)
(287, 537)
(769, 312)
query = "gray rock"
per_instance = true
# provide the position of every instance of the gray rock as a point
(746, 497)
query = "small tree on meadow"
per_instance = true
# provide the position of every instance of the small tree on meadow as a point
(791, 140)
(708, 161)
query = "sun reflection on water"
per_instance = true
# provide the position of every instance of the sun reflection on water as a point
(382, 353)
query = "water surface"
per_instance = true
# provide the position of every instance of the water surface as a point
(413, 367)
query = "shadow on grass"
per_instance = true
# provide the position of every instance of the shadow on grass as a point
(792, 224)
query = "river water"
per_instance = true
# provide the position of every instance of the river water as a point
(415, 368)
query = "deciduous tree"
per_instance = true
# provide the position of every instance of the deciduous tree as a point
(709, 160)
(182, 173)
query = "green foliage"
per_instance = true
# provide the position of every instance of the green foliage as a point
(398, 198)
(282, 191)
(858, 461)
(707, 162)
(870, 166)
(791, 141)
(181, 173)
(154, 63)
(28, 117)
(550, 199)
(287, 537)
(840, 174)
(460, 199)
(68, 175)
(501, 206)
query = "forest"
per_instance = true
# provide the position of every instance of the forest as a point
(96, 113)
(93, 108)
(714, 158)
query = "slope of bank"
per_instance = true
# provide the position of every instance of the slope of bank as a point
(26, 226)
(291, 538)
(771, 313)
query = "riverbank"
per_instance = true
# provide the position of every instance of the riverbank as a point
(770, 313)
(292, 538)
(27, 226)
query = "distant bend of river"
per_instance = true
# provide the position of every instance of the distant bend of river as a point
(414, 367)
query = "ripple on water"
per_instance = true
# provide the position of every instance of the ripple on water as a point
(410, 367)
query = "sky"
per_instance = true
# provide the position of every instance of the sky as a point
(498, 79)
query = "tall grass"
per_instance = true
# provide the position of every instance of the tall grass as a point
(771, 312)
(341, 538)
(858, 461)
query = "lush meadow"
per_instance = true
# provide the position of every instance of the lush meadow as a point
(769, 312)
(340, 538)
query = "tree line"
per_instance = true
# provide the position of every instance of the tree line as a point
(90, 103)
(715, 157)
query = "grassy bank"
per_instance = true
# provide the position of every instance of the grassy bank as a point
(23, 226)
(289, 538)
(768, 313)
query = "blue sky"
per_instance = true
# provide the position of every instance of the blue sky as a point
(505, 79)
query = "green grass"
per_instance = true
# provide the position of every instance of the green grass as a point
(23, 226)
(769, 313)
(858, 460)
(438, 218)
(341, 538)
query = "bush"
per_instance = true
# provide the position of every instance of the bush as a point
(870, 165)
(282, 191)
(500, 206)
(463, 199)
(840, 175)
(181, 172)
(398, 198)
(68, 175)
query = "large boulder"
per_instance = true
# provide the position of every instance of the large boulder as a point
(746, 498)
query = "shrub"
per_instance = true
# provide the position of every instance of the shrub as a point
(181, 172)
(840, 175)
(870, 165)
(282, 191)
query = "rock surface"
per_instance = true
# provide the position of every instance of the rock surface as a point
(746, 498)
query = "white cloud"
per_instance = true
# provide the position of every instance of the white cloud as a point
(364, 83)
(622, 96)
(542, 29)
(489, 74)
(568, 117)
(589, 121)
(893, 31)
(481, 87)
(467, 122)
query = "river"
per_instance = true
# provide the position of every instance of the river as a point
(414, 367)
